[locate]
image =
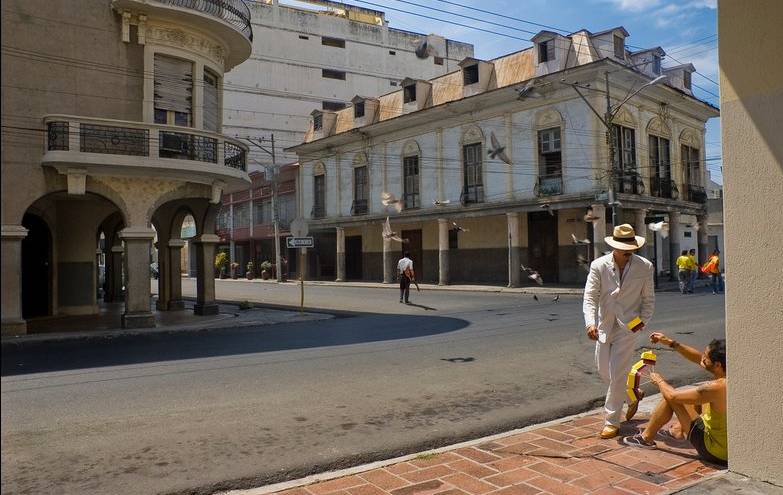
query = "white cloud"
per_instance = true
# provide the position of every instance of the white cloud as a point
(635, 5)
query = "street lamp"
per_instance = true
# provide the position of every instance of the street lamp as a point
(606, 120)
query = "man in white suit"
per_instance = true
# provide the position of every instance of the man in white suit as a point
(619, 290)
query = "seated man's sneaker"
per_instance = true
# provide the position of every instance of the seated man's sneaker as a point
(609, 431)
(639, 442)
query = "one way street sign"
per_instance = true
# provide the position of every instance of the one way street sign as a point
(299, 242)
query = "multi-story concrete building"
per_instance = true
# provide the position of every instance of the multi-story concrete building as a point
(112, 118)
(316, 54)
(510, 151)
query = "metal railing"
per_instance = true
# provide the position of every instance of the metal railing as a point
(472, 194)
(234, 156)
(549, 185)
(697, 194)
(318, 211)
(234, 12)
(114, 140)
(359, 207)
(187, 147)
(57, 136)
(630, 182)
(664, 188)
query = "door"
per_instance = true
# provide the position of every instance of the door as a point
(353, 257)
(36, 250)
(542, 244)
(413, 246)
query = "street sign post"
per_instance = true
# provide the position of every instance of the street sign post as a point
(300, 242)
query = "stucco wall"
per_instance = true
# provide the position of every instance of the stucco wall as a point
(751, 106)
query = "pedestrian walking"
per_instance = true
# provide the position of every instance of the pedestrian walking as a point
(712, 269)
(684, 271)
(619, 291)
(407, 275)
(694, 270)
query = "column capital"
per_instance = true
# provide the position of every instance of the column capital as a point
(117, 249)
(13, 232)
(136, 233)
(176, 243)
(512, 214)
(441, 221)
(207, 239)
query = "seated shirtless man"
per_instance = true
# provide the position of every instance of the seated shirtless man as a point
(700, 411)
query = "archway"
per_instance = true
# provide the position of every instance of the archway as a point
(36, 267)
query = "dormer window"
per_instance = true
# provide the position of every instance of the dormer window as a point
(358, 110)
(656, 64)
(318, 122)
(619, 47)
(470, 74)
(686, 79)
(409, 93)
(546, 51)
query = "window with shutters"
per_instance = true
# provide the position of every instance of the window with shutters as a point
(619, 47)
(473, 190)
(410, 181)
(625, 159)
(211, 114)
(409, 93)
(173, 85)
(660, 167)
(319, 196)
(690, 165)
(656, 64)
(546, 51)
(358, 110)
(361, 192)
(550, 162)
(470, 74)
(318, 122)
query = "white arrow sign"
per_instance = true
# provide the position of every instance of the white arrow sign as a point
(300, 242)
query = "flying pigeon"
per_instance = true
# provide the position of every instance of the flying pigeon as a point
(497, 151)
(533, 275)
(589, 217)
(548, 208)
(556, 299)
(439, 202)
(525, 91)
(389, 234)
(388, 199)
(661, 227)
(458, 228)
(582, 261)
(424, 49)
(579, 241)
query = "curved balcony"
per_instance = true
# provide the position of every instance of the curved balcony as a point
(230, 19)
(115, 147)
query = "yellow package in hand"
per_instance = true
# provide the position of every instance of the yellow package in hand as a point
(635, 325)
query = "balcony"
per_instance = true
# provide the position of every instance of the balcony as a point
(359, 207)
(549, 185)
(113, 147)
(664, 188)
(630, 183)
(697, 194)
(228, 19)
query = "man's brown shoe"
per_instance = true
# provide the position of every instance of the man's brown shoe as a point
(631, 411)
(609, 431)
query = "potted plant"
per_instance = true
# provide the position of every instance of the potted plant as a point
(234, 270)
(220, 264)
(250, 270)
(266, 270)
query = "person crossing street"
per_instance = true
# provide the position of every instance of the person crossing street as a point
(407, 275)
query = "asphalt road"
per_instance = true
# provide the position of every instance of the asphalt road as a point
(237, 408)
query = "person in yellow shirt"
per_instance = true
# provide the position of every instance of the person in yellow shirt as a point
(684, 271)
(694, 270)
(700, 411)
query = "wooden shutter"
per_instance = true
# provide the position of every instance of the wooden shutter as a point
(173, 84)
(210, 102)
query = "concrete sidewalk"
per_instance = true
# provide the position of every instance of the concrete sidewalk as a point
(560, 457)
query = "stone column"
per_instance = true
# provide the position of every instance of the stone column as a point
(641, 230)
(514, 242)
(599, 230)
(703, 250)
(138, 310)
(340, 254)
(675, 232)
(443, 251)
(114, 274)
(164, 285)
(12, 321)
(175, 301)
(388, 262)
(205, 275)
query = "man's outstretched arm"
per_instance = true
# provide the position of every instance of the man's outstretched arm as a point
(704, 393)
(683, 350)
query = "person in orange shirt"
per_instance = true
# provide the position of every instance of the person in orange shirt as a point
(712, 268)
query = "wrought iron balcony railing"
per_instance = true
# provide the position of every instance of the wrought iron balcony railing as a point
(318, 211)
(359, 207)
(472, 194)
(548, 185)
(697, 194)
(151, 141)
(630, 182)
(664, 188)
(234, 12)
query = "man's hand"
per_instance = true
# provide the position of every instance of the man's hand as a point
(592, 332)
(656, 378)
(656, 337)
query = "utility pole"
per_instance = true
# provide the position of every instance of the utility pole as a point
(275, 217)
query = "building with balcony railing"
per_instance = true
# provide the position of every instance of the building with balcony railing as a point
(511, 153)
(112, 137)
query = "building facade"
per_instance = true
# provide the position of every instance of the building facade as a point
(112, 118)
(316, 53)
(509, 151)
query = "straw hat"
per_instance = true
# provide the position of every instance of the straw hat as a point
(624, 238)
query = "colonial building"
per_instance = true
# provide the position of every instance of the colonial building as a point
(315, 53)
(514, 151)
(112, 118)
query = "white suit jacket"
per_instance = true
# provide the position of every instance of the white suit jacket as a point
(614, 304)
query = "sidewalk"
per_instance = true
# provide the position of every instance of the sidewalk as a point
(561, 457)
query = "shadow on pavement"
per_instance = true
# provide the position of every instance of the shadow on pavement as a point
(20, 358)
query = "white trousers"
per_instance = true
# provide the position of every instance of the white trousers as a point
(614, 360)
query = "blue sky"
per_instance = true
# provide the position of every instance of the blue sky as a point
(686, 29)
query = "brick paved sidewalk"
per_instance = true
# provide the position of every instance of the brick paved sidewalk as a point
(561, 459)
